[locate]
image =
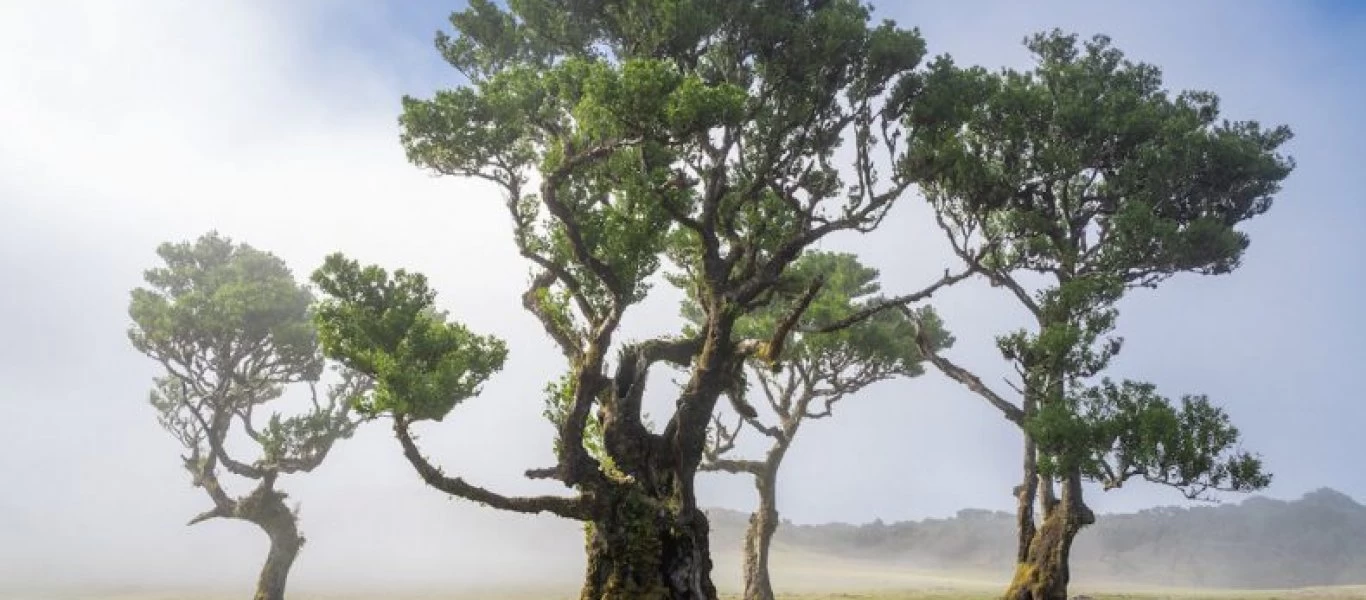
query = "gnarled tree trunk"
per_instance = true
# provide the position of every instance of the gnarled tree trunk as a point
(759, 538)
(266, 508)
(640, 548)
(284, 547)
(1043, 572)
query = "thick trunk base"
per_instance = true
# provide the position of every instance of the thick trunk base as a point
(1044, 574)
(640, 551)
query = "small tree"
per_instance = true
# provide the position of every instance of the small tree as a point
(623, 136)
(231, 328)
(1068, 186)
(821, 369)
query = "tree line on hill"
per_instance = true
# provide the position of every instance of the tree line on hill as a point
(1259, 543)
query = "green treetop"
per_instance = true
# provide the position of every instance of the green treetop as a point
(626, 136)
(1068, 185)
(231, 328)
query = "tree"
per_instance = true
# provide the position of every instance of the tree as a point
(625, 136)
(231, 328)
(1068, 186)
(820, 370)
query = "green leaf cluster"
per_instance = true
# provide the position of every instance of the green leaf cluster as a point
(232, 329)
(227, 308)
(1129, 430)
(1088, 165)
(388, 328)
(1085, 171)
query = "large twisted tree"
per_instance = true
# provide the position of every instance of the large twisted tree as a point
(1067, 186)
(820, 370)
(625, 135)
(231, 327)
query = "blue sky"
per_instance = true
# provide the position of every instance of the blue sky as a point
(275, 123)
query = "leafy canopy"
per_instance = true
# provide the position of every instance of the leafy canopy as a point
(1085, 171)
(621, 111)
(232, 329)
(629, 136)
(388, 328)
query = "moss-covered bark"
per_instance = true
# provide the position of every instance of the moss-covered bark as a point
(284, 548)
(642, 549)
(266, 508)
(758, 540)
(1043, 572)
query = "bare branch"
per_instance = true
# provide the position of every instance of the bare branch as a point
(752, 467)
(572, 508)
(215, 513)
(1012, 413)
(974, 262)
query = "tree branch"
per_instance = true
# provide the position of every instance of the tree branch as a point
(897, 302)
(724, 465)
(550, 197)
(1012, 413)
(571, 508)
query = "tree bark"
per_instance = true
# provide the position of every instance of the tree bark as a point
(759, 537)
(266, 508)
(640, 548)
(1043, 574)
(1024, 495)
(284, 548)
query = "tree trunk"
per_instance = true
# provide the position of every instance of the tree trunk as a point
(284, 547)
(642, 548)
(759, 537)
(1044, 572)
(1024, 497)
(266, 508)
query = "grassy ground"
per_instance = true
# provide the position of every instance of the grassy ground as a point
(1341, 593)
(815, 577)
(1333, 593)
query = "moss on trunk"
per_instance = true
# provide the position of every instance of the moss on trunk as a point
(644, 548)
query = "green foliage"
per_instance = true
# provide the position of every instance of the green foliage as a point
(1086, 164)
(387, 328)
(613, 106)
(1132, 431)
(1085, 170)
(217, 304)
(232, 328)
(632, 136)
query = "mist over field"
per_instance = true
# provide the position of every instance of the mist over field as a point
(126, 125)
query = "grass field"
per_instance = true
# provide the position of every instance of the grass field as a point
(801, 577)
(1338, 593)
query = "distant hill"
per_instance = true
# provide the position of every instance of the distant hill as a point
(1319, 539)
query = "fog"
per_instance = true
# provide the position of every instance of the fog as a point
(123, 125)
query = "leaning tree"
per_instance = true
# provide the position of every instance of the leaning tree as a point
(1067, 186)
(231, 328)
(820, 369)
(624, 136)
